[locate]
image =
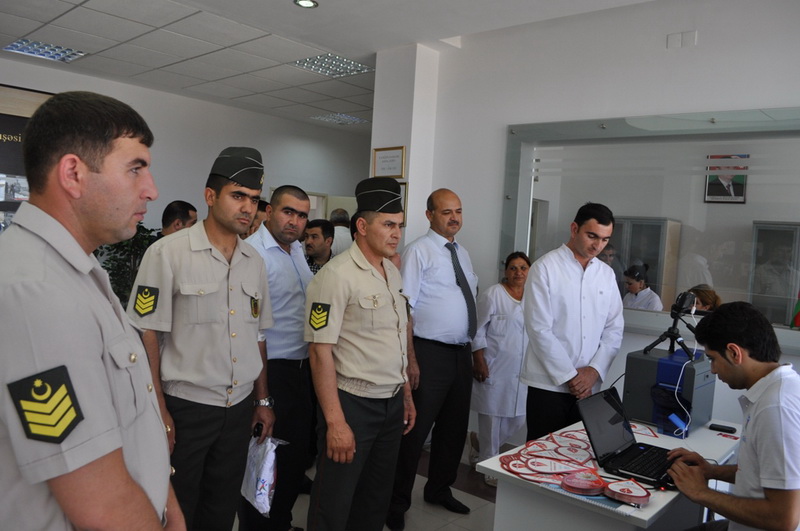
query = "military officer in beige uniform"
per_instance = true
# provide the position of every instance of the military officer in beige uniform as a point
(357, 334)
(201, 297)
(82, 443)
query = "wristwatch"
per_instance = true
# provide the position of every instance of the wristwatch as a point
(267, 402)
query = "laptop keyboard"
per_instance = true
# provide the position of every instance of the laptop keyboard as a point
(651, 463)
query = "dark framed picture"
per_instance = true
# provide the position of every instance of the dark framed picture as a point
(726, 178)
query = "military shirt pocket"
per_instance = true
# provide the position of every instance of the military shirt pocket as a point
(197, 303)
(130, 379)
(372, 310)
(252, 301)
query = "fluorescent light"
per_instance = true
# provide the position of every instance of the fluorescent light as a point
(339, 118)
(306, 3)
(44, 50)
(332, 65)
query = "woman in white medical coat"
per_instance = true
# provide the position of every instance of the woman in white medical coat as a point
(498, 349)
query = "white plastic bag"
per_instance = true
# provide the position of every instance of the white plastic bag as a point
(258, 484)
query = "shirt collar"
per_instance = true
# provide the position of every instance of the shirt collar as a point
(440, 240)
(39, 222)
(198, 241)
(361, 260)
(753, 394)
(569, 255)
(268, 241)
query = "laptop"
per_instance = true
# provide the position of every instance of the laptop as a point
(614, 443)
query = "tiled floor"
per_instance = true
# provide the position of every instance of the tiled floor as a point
(426, 517)
(469, 489)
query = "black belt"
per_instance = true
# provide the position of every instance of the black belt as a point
(454, 346)
(292, 363)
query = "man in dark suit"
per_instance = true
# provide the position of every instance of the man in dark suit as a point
(724, 185)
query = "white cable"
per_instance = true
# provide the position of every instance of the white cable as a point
(682, 432)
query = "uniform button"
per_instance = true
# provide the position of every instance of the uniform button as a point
(230, 391)
(234, 360)
(201, 292)
(230, 288)
(233, 312)
(132, 357)
(230, 404)
(172, 471)
(149, 388)
(233, 334)
(236, 382)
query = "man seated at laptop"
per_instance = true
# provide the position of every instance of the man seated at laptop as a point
(744, 353)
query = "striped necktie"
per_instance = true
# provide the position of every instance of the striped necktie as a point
(461, 280)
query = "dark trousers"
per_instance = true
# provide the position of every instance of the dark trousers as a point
(289, 384)
(355, 496)
(549, 411)
(442, 403)
(209, 459)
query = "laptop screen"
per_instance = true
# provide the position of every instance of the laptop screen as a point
(604, 418)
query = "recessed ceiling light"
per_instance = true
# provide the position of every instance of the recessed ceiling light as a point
(306, 3)
(43, 50)
(339, 118)
(332, 65)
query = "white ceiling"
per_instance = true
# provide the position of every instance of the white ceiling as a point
(239, 52)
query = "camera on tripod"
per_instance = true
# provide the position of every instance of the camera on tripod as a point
(684, 304)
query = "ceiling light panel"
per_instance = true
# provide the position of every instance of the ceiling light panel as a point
(339, 118)
(44, 50)
(333, 65)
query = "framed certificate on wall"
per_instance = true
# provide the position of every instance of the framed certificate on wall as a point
(389, 162)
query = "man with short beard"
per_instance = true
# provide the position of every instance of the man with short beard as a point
(288, 374)
(441, 287)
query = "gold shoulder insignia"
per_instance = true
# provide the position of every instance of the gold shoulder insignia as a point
(146, 300)
(47, 405)
(319, 315)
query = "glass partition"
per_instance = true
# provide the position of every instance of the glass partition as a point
(661, 176)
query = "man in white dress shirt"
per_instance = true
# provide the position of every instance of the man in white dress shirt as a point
(342, 239)
(442, 336)
(573, 315)
(288, 373)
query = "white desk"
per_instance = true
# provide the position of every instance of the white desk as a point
(523, 505)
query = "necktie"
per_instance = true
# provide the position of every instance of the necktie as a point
(728, 189)
(461, 280)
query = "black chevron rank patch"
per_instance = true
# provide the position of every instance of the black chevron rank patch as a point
(146, 300)
(319, 315)
(47, 405)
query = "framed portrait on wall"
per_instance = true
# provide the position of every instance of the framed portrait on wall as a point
(726, 178)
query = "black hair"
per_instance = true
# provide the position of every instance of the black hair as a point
(325, 226)
(601, 213)
(294, 191)
(515, 255)
(176, 210)
(81, 123)
(217, 183)
(637, 272)
(742, 324)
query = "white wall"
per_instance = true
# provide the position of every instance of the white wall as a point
(607, 64)
(190, 133)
